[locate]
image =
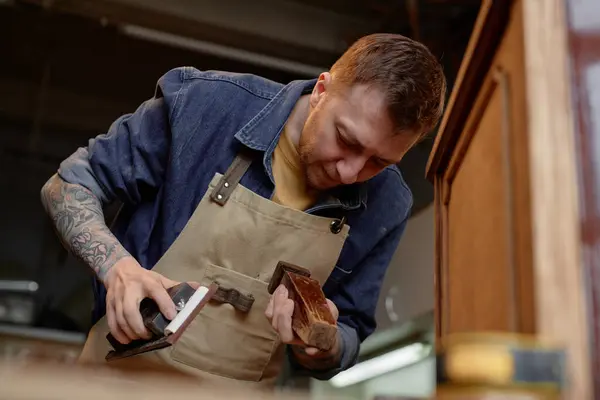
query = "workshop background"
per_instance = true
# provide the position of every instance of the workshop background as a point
(69, 68)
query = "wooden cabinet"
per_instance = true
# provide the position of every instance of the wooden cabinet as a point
(482, 199)
(508, 253)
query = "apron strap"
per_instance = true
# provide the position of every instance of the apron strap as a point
(232, 177)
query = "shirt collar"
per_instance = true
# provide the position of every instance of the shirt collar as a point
(262, 133)
(263, 130)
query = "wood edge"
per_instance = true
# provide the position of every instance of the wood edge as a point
(444, 263)
(282, 268)
(501, 82)
(212, 289)
(437, 259)
(275, 278)
(446, 191)
(557, 258)
(45, 380)
(482, 17)
(490, 24)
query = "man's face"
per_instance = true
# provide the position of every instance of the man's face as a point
(348, 136)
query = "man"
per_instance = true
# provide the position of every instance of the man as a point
(221, 176)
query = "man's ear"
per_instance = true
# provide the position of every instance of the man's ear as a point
(320, 89)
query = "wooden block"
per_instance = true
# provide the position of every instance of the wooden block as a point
(312, 320)
(281, 268)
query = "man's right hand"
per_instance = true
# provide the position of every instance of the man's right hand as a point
(127, 284)
(78, 218)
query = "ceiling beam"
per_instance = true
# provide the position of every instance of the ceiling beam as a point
(287, 30)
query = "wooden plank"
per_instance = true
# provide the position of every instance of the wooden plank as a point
(32, 380)
(559, 278)
(480, 51)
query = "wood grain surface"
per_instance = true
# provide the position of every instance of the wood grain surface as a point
(54, 382)
(312, 319)
(558, 272)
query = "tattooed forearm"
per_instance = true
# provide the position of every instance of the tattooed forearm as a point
(320, 361)
(79, 222)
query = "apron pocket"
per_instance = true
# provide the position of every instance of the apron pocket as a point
(225, 341)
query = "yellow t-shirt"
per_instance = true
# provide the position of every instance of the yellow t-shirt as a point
(290, 181)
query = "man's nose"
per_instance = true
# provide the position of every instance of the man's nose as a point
(350, 168)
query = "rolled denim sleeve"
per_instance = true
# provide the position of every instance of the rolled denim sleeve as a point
(128, 162)
(357, 300)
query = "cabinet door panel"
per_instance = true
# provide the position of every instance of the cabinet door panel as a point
(484, 233)
(480, 282)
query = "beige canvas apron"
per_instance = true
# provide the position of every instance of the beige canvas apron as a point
(234, 238)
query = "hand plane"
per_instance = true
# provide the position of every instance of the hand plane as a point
(312, 320)
(188, 302)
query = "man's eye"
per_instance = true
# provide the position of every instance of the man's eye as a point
(341, 138)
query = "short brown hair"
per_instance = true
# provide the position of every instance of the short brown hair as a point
(412, 78)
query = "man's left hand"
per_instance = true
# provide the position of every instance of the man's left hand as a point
(279, 312)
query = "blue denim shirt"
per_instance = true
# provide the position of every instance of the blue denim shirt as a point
(159, 160)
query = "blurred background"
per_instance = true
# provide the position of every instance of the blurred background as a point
(69, 68)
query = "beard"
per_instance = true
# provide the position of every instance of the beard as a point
(306, 151)
(315, 173)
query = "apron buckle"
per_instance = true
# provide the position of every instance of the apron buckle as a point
(336, 226)
(238, 300)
